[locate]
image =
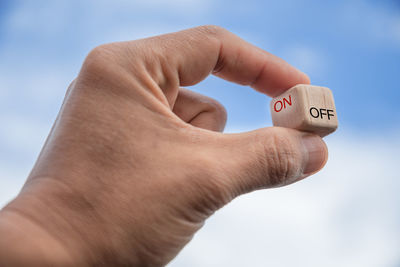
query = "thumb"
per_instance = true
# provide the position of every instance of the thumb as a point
(269, 157)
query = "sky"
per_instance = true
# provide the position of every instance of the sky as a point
(346, 215)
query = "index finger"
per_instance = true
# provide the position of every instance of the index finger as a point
(197, 52)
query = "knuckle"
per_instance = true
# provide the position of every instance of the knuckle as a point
(99, 54)
(217, 109)
(282, 159)
(212, 30)
(102, 60)
(108, 67)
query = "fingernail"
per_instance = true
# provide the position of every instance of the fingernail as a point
(316, 152)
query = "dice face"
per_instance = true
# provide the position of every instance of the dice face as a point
(305, 107)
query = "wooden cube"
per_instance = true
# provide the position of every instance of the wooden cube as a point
(307, 108)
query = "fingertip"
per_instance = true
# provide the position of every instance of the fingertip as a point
(305, 78)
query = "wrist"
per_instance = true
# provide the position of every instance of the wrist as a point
(63, 229)
(24, 243)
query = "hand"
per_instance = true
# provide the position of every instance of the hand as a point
(135, 164)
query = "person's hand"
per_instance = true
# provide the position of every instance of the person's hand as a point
(135, 164)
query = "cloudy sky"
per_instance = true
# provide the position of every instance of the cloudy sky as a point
(347, 215)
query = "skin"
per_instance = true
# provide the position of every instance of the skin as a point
(135, 164)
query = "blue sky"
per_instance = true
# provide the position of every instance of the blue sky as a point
(351, 46)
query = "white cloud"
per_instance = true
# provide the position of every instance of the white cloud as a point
(172, 5)
(12, 177)
(372, 21)
(52, 17)
(49, 17)
(22, 134)
(347, 215)
(21, 142)
(307, 58)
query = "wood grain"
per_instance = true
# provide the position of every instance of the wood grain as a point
(307, 108)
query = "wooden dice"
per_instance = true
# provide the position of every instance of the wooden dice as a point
(307, 108)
